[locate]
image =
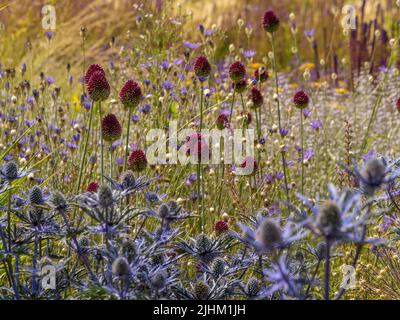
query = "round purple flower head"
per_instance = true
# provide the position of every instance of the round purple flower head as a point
(130, 94)
(261, 74)
(202, 67)
(398, 104)
(240, 86)
(256, 97)
(270, 22)
(222, 121)
(237, 71)
(92, 69)
(301, 99)
(137, 160)
(98, 87)
(110, 128)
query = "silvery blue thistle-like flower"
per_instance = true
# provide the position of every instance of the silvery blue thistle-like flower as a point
(106, 198)
(36, 196)
(163, 211)
(120, 267)
(10, 171)
(128, 179)
(158, 280)
(265, 234)
(375, 174)
(340, 218)
(58, 201)
(204, 248)
(201, 290)
(252, 287)
(218, 267)
(129, 249)
(282, 279)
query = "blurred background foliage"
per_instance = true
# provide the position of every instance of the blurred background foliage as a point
(23, 38)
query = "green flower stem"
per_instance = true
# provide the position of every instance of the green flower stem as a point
(279, 116)
(327, 269)
(127, 137)
(302, 150)
(200, 182)
(233, 102)
(78, 185)
(101, 146)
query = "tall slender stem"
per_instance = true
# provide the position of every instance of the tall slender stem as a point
(127, 137)
(232, 103)
(9, 220)
(279, 115)
(302, 150)
(78, 185)
(327, 268)
(101, 146)
(111, 162)
(200, 182)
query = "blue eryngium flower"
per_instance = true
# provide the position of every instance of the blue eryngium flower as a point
(265, 234)
(375, 173)
(282, 278)
(340, 218)
(10, 171)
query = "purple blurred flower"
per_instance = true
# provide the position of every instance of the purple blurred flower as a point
(191, 45)
(50, 80)
(370, 154)
(249, 54)
(316, 124)
(284, 132)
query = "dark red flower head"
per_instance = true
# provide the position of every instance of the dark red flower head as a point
(301, 99)
(256, 97)
(240, 86)
(237, 71)
(197, 146)
(98, 86)
(270, 22)
(130, 94)
(248, 118)
(398, 104)
(249, 165)
(220, 227)
(111, 128)
(222, 121)
(93, 186)
(202, 67)
(261, 74)
(137, 160)
(92, 69)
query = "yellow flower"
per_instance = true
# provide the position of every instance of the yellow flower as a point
(293, 85)
(341, 90)
(255, 65)
(76, 103)
(316, 84)
(307, 65)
